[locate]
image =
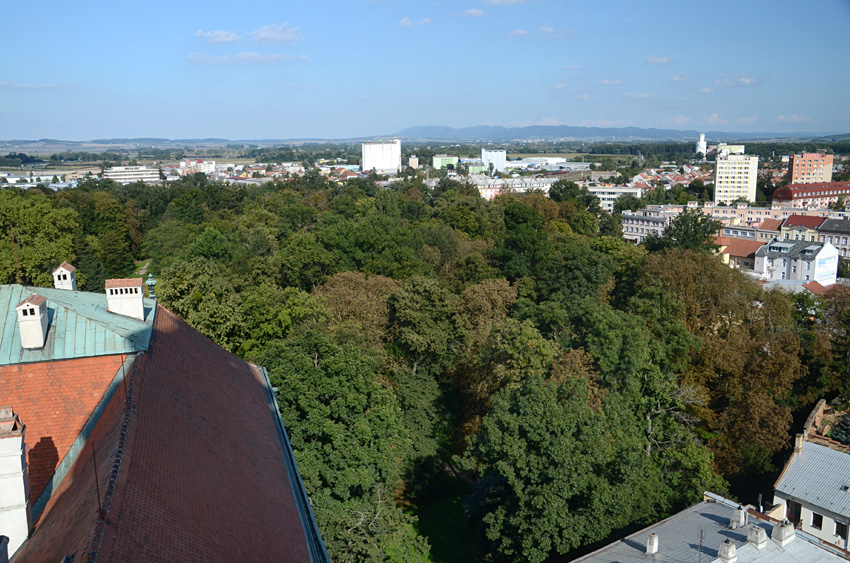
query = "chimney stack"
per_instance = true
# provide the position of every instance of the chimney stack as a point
(125, 297)
(727, 552)
(798, 443)
(739, 518)
(65, 277)
(32, 321)
(652, 544)
(783, 533)
(758, 537)
(15, 515)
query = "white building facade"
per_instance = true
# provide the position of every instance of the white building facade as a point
(130, 174)
(381, 156)
(498, 159)
(735, 177)
(797, 260)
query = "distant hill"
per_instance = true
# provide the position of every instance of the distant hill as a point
(497, 134)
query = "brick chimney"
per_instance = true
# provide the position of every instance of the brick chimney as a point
(125, 297)
(32, 321)
(65, 277)
(15, 515)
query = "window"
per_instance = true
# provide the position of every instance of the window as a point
(817, 521)
(841, 530)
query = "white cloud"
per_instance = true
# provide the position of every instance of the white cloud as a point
(681, 77)
(474, 13)
(217, 36)
(657, 60)
(407, 22)
(793, 118)
(714, 119)
(679, 119)
(609, 82)
(586, 97)
(741, 80)
(13, 86)
(706, 90)
(518, 32)
(748, 120)
(247, 57)
(637, 96)
(560, 86)
(273, 34)
(546, 28)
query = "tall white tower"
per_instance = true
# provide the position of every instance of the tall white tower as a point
(702, 146)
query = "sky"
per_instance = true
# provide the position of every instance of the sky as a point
(262, 69)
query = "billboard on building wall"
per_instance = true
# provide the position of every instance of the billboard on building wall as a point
(826, 268)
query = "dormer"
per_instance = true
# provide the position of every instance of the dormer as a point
(65, 277)
(125, 297)
(32, 321)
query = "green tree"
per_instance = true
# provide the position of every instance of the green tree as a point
(690, 230)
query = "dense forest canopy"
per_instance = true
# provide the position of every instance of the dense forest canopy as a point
(510, 371)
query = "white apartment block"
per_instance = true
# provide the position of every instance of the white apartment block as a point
(609, 193)
(735, 177)
(130, 174)
(497, 158)
(381, 156)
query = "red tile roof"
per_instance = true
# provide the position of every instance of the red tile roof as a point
(201, 475)
(123, 282)
(65, 265)
(54, 400)
(806, 221)
(34, 299)
(770, 225)
(802, 191)
(817, 288)
(742, 248)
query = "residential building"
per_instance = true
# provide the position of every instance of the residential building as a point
(381, 156)
(801, 227)
(443, 160)
(737, 253)
(413, 162)
(497, 158)
(797, 260)
(130, 174)
(723, 148)
(810, 168)
(812, 196)
(718, 530)
(813, 490)
(768, 229)
(837, 233)
(608, 194)
(126, 435)
(637, 225)
(735, 178)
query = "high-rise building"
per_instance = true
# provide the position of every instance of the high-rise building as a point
(381, 156)
(735, 177)
(810, 168)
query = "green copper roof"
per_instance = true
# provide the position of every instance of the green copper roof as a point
(78, 326)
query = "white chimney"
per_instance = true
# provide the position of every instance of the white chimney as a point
(15, 515)
(727, 552)
(758, 537)
(32, 321)
(783, 533)
(65, 277)
(739, 518)
(125, 297)
(652, 544)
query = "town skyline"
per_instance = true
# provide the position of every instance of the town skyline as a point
(358, 69)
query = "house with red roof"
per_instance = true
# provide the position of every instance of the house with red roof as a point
(801, 227)
(126, 435)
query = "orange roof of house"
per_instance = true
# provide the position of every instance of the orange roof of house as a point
(65, 265)
(34, 299)
(806, 221)
(770, 225)
(817, 288)
(194, 470)
(54, 400)
(123, 282)
(742, 248)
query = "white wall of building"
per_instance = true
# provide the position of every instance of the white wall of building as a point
(382, 156)
(735, 177)
(499, 159)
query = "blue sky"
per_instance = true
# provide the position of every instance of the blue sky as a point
(333, 69)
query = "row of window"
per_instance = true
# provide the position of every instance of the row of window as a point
(840, 528)
(124, 291)
(29, 312)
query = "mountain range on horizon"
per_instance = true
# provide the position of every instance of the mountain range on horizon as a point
(478, 133)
